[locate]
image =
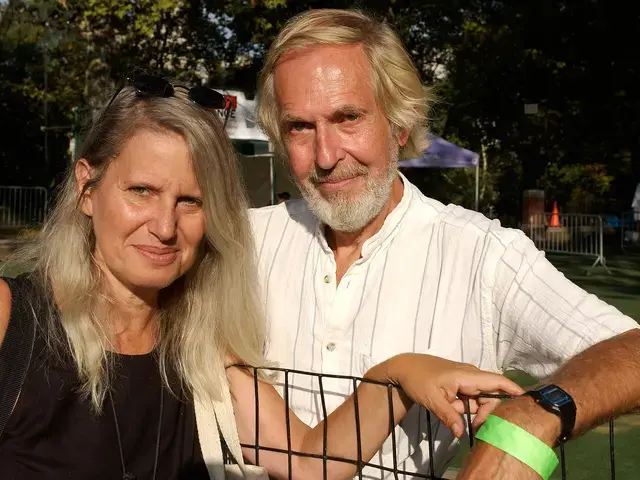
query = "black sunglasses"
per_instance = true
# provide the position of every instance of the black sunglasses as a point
(147, 85)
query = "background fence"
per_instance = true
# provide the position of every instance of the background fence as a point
(572, 234)
(629, 229)
(22, 207)
(392, 472)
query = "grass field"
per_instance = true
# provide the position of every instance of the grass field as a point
(8, 271)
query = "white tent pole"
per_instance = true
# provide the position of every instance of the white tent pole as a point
(477, 186)
(271, 181)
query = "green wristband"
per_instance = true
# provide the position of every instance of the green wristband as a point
(519, 444)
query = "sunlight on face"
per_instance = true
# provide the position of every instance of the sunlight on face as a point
(341, 148)
(147, 212)
(346, 209)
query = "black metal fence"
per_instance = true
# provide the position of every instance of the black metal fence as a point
(22, 207)
(391, 472)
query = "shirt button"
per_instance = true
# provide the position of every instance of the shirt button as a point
(327, 279)
(331, 346)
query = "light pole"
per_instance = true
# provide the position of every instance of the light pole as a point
(533, 110)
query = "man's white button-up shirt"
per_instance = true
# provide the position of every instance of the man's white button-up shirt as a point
(435, 279)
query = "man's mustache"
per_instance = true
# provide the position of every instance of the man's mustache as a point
(337, 174)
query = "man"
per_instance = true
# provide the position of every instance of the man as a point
(366, 266)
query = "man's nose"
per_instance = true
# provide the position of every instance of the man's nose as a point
(328, 147)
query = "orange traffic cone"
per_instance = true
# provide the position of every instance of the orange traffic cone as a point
(555, 218)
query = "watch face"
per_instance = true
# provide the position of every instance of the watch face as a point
(556, 396)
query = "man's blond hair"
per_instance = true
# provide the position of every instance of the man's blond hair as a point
(400, 95)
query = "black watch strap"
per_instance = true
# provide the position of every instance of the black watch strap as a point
(555, 400)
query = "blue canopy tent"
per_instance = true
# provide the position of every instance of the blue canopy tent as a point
(443, 154)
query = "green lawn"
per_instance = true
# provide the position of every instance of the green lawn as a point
(621, 288)
(587, 458)
(8, 271)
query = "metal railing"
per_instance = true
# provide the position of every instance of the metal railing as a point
(391, 472)
(569, 233)
(22, 207)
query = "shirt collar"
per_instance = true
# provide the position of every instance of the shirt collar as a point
(389, 227)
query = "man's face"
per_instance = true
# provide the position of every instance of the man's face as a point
(342, 151)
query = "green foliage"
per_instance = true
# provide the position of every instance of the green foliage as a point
(580, 187)
(487, 59)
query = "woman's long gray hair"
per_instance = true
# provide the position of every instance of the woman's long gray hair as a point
(213, 310)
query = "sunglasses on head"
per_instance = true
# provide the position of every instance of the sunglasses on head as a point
(147, 85)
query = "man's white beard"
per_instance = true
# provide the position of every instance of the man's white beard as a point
(346, 211)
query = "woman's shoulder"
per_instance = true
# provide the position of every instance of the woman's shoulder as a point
(5, 308)
(15, 294)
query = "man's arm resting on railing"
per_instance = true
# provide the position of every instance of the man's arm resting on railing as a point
(603, 380)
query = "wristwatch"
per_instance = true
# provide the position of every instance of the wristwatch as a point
(555, 400)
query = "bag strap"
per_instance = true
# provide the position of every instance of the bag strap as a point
(15, 351)
(216, 424)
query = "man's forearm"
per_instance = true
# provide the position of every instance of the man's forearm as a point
(604, 382)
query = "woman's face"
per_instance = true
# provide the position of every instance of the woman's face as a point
(147, 211)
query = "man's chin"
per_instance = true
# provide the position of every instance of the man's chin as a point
(339, 197)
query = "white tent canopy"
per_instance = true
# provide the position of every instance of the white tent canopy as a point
(242, 120)
(263, 176)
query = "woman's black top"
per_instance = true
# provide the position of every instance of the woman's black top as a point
(54, 434)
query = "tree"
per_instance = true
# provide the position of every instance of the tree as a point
(486, 59)
(574, 60)
(82, 50)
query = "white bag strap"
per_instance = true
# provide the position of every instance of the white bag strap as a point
(221, 419)
(209, 440)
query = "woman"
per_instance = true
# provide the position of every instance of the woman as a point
(143, 291)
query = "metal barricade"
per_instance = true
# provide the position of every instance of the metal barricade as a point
(22, 207)
(395, 471)
(569, 233)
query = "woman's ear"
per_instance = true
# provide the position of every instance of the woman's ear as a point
(84, 173)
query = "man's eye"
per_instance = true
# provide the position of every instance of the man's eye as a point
(192, 202)
(139, 190)
(351, 117)
(298, 126)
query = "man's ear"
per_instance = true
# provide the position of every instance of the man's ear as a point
(402, 136)
(84, 173)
